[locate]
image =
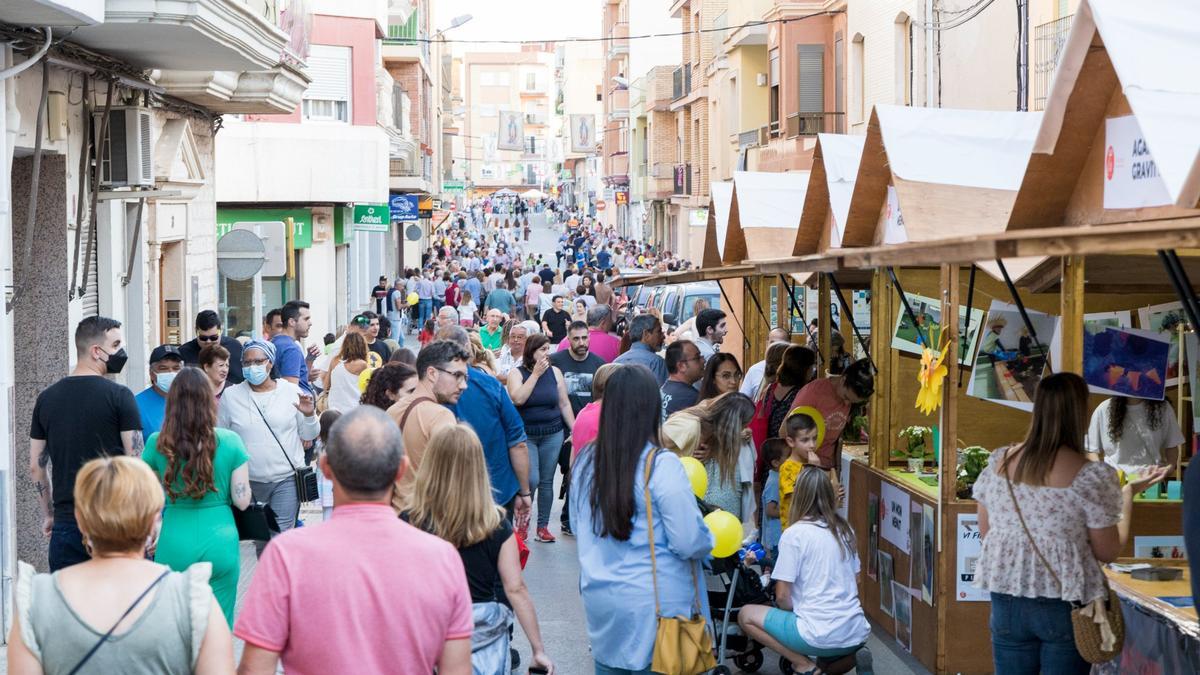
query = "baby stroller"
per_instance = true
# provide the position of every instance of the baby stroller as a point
(731, 586)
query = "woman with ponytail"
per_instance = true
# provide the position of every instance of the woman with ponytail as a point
(203, 471)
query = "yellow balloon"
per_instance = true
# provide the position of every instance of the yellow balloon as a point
(413, 299)
(727, 533)
(364, 378)
(696, 474)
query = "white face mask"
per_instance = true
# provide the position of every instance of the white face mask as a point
(163, 381)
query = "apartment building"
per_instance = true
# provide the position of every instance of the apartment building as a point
(521, 83)
(323, 170)
(134, 240)
(653, 151)
(577, 68)
(614, 28)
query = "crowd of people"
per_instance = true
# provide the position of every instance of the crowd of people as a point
(428, 464)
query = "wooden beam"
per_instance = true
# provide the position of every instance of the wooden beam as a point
(1071, 301)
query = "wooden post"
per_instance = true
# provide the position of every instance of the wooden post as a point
(1071, 301)
(825, 319)
(880, 417)
(948, 468)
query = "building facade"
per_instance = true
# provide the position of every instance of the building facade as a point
(576, 66)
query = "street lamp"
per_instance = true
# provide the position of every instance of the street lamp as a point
(456, 22)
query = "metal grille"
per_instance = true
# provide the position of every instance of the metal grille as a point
(1049, 39)
(146, 147)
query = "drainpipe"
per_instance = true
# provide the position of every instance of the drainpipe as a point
(929, 33)
(1022, 55)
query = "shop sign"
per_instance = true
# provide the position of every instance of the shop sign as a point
(372, 217)
(1131, 178)
(698, 218)
(622, 197)
(403, 208)
(894, 526)
(969, 544)
(302, 225)
(425, 206)
(453, 186)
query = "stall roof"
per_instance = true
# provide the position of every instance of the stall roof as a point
(764, 214)
(830, 186)
(721, 198)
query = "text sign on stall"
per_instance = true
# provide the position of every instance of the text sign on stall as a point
(969, 545)
(1131, 178)
(895, 516)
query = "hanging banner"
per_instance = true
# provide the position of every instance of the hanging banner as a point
(970, 543)
(583, 133)
(512, 130)
(1131, 178)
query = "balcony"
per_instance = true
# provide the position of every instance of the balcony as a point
(1049, 39)
(407, 42)
(535, 119)
(811, 124)
(618, 40)
(682, 180)
(263, 92)
(681, 82)
(52, 12)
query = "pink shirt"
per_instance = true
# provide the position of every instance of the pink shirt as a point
(364, 592)
(587, 425)
(604, 345)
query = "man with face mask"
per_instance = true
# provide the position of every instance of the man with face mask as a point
(165, 363)
(80, 417)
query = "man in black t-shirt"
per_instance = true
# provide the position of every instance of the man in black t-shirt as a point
(578, 366)
(208, 332)
(685, 367)
(555, 321)
(379, 295)
(81, 417)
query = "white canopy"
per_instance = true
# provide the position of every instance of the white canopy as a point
(533, 194)
(505, 192)
(840, 154)
(722, 197)
(1154, 46)
(770, 200)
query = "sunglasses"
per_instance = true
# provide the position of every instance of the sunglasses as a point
(209, 338)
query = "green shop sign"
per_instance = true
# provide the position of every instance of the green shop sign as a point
(302, 231)
(372, 217)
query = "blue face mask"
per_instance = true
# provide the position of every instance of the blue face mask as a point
(255, 375)
(163, 381)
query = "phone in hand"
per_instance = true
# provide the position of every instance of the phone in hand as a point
(538, 670)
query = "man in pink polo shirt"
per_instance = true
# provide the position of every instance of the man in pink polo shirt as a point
(365, 592)
(601, 341)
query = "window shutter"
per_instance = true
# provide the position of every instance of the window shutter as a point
(811, 59)
(329, 68)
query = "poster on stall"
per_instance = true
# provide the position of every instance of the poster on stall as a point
(872, 535)
(886, 592)
(1126, 362)
(894, 232)
(861, 304)
(843, 508)
(916, 567)
(1166, 320)
(906, 337)
(895, 516)
(1168, 547)
(903, 612)
(1010, 362)
(928, 533)
(969, 545)
(1131, 178)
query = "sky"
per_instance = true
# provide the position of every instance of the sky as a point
(516, 20)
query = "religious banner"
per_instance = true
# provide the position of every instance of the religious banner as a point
(583, 133)
(511, 133)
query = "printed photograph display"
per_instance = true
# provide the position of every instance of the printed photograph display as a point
(1165, 319)
(873, 535)
(903, 611)
(927, 544)
(1126, 362)
(1011, 362)
(907, 338)
(885, 583)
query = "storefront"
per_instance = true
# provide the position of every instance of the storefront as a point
(235, 298)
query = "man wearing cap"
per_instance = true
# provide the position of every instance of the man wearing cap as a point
(165, 363)
(990, 346)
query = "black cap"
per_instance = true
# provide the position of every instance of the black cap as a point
(165, 352)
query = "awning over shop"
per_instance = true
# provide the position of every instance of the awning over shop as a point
(764, 214)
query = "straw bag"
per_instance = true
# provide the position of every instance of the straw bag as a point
(1099, 626)
(682, 646)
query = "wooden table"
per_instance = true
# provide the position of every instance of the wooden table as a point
(1148, 594)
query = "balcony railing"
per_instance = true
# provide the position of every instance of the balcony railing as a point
(681, 82)
(408, 33)
(811, 124)
(682, 180)
(534, 118)
(1048, 42)
(748, 139)
(399, 170)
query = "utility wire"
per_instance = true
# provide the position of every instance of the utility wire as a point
(975, 10)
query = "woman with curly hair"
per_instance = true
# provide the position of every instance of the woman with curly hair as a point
(203, 470)
(1132, 434)
(388, 384)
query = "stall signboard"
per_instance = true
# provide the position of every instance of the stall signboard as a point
(1131, 178)
(970, 543)
(894, 233)
(372, 217)
(895, 516)
(403, 208)
(425, 206)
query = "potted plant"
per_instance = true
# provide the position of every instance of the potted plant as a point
(971, 462)
(916, 447)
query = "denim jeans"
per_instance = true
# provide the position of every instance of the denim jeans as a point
(602, 669)
(543, 458)
(1034, 635)
(283, 500)
(66, 544)
(425, 307)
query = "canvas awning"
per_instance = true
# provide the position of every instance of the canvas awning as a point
(830, 187)
(720, 200)
(764, 214)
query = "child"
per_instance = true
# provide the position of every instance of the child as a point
(426, 335)
(774, 450)
(800, 434)
(327, 419)
(467, 310)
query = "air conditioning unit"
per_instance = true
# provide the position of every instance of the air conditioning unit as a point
(127, 158)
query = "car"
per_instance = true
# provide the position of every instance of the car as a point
(678, 303)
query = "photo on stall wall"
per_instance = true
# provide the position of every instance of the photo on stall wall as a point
(903, 612)
(927, 544)
(1126, 362)
(1164, 547)
(872, 535)
(885, 583)
(916, 526)
(1166, 319)
(1011, 361)
(906, 337)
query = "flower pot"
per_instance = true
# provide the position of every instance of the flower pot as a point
(915, 464)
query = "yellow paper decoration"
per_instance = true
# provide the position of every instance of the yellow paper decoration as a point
(931, 376)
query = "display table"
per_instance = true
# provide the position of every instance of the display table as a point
(1160, 636)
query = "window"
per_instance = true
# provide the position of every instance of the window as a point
(839, 86)
(531, 82)
(904, 60)
(774, 96)
(328, 96)
(531, 145)
(857, 87)
(811, 62)
(731, 114)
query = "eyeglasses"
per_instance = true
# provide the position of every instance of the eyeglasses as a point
(209, 338)
(459, 376)
(730, 376)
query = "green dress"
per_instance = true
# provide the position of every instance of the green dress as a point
(202, 530)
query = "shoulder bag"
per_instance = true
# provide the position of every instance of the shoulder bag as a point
(256, 522)
(682, 646)
(304, 477)
(104, 638)
(1099, 626)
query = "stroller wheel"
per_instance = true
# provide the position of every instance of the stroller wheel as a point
(785, 666)
(749, 662)
(721, 670)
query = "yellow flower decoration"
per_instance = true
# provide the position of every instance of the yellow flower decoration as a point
(932, 374)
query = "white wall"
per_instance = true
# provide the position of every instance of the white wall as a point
(365, 9)
(317, 264)
(269, 162)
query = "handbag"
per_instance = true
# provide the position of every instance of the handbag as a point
(682, 645)
(256, 522)
(304, 477)
(1098, 626)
